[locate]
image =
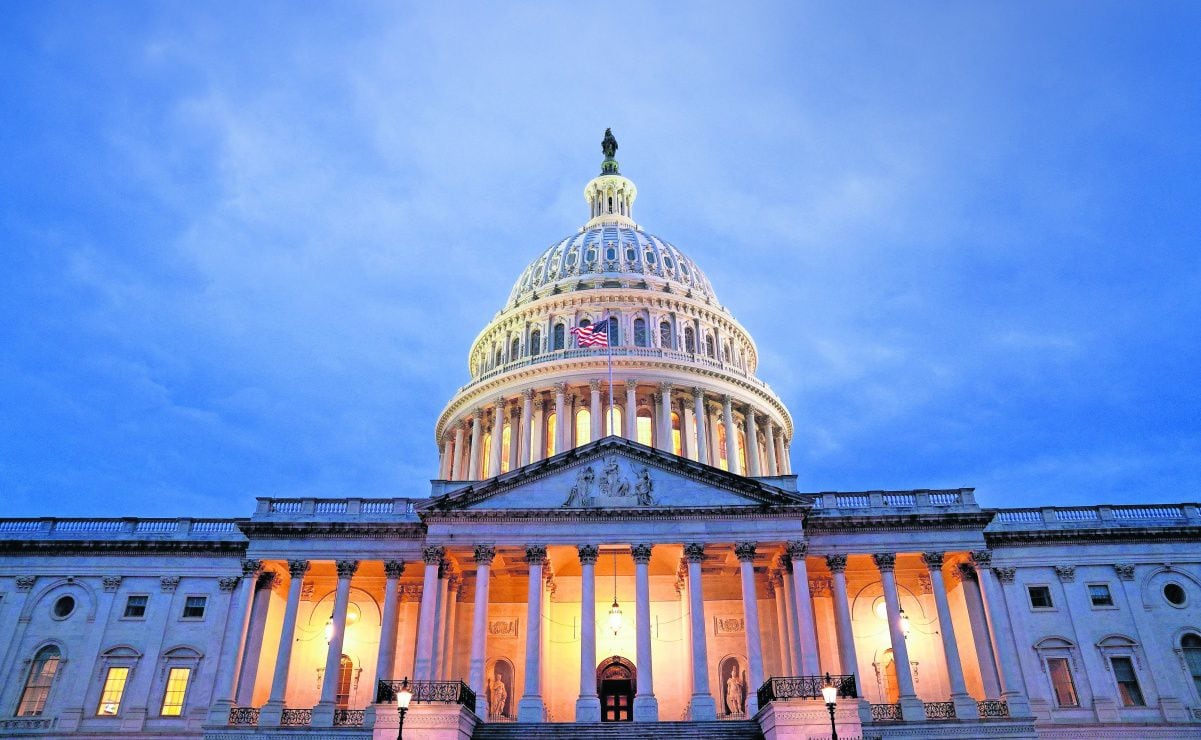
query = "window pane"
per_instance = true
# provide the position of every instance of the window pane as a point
(676, 438)
(583, 427)
(646, 433)
(613, 424)
(177, 688)
(194, 607)
(135, 606)
(110, 695)
(37, 685)
(1099, 594)
(1040, 597)
(551, 433)
(1061, 681)
(1123, 672)
(506, 447)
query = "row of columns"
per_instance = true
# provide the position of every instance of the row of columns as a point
(462, 448)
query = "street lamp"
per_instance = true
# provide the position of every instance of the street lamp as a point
(830, 694)
(403, 697)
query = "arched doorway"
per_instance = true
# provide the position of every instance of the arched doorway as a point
(616, 682)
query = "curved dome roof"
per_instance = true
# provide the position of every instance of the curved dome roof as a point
(615, 252)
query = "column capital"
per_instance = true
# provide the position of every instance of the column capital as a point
(796, 549)
(267, 580)
(394, 568)
(297, 568)
(595, 384)
(666, 388)
(836, 563)
(885, 561)
(588, 554)
(966, 572)
(1125, 571)
(694, 552)
(111, 583)
(698, 392)
(251, 567)
(25, 583)
(745, 551)
(631, 384)
(484, 554)
(642, 553)
(560, 387)
(726, 399)
(453, 584)
(228, 583)
(499, 402)
(1005, 575)
(535, 554)
(981, 558)
(528, 394)
(539, 403)
(933, 559)
(1066, 573)
(433, 554)
(477, 415)
(346, 568)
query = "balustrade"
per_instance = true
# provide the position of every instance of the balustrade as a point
(778, 688)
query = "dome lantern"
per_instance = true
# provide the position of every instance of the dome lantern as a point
(610, 196)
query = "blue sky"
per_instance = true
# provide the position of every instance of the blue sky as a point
(244, 247)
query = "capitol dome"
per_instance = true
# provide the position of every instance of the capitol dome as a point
(678, 373)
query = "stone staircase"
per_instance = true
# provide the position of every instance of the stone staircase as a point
(723, 730)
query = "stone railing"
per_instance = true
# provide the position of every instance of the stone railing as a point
(349, 717)
(28, 724)
(1069, 517)
(993, 708)
(448, 692)
(334, 508)
(127, 528)
(940, 710)
(296, 718)
(243, 716)
(886, 713)
(778, 688)
(846, 503)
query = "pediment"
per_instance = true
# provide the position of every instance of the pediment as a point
(614, 474)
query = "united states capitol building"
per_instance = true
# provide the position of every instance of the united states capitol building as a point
(613, 546)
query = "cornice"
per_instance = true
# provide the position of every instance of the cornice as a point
(193, 548)
(1093, 535)
(817, 523)
(352, 530)
(672, 513)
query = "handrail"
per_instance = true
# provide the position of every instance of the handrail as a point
(805, 687)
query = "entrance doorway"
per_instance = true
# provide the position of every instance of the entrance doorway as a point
(616, 682)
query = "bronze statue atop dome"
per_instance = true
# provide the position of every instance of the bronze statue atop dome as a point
(609, 144)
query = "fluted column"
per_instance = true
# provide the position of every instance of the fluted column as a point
(981, 639)
(587, 706)
(484, 555)
(323, 713)
(263, 586)
(477, 441)
(797, 551)
(702, 447)
(527, 416)
(423, 660)
(665, 443)
(727, 411)
(562, 421)
(453, 586)
(595, 412)
(498, 427)
(241, 608)
(769, 436)
(998, 619)
(847, 659)
(912, 709)
(444, 574)
(646, 706)
(272, 711)
(386, 661)
(775, 589)
(538, 431)
(514, 439)
(965, 705)
(752, 443)
(701, 707)
(531, 708)
(456, 472)
(631, 413)
(750, 607)
(447, 458)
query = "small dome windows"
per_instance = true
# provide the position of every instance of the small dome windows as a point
(611, 253)
(631, 254)
(63, 607)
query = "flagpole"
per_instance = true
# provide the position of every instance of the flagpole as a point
(609, 347)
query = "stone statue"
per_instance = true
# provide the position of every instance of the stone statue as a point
(609, 144)
(644, 488)
(734, 691)
(581, 492)
(610, 477)
(497, 697)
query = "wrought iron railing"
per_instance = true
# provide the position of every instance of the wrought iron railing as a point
(886, 713)
(296, 718)
(940, 710)
(243, 716)
(804, 687)
(993, 708)
(449, 692)
(348, 717)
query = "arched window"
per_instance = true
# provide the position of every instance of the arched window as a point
(665, 334)
(689, 339)
(611, 329)
(583, 426)
(646, 427)
(1190, 644)
(551, 434)
(37, 685)
(506, 447)
(613, 423)
(742, 452)
(500, 358)
(640, 332)
(485, 454)
(677, 437)
(535, 343)
(725, 352)
(514, 349)
(709, 346)
(345, 674)
(559, 337)
(723, 460)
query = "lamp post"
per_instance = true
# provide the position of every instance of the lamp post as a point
(830, 694)
(403, 697)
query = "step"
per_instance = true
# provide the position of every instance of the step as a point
(723, 730)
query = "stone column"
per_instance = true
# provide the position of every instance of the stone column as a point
(752, 443)
(981, 639)
(587, 706)
(769, 437)
(848, 661)
(998, 618)
(453, 586)
(595, 412)
(562, 421)
(735, 465)
(538, 431)
(477, 443)
(241, 605)
(273, 710)
(965, 705)
(479, 625)
(323, 713)
(701, 708)
(646, 706)
(440, 625)
(423, 662)
(447, 456)
(665, 422)
(531, 707)
(498, 429)
(385, 663)
(698, 411)
(912, 709)
(797, 551)
(778, 442)
(264, 584)
(527, 417)
(456, 471)
(750, 607)
(631, 413)
(514, 439)
(775, 588)
(794, 639)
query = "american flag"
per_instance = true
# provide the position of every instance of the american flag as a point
(596, 335)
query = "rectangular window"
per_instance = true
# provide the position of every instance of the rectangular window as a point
(193, 607)
(1123, 673)
(110, 695)
(177, 688)
(135, 606)
(1061, 682)
(1098, 593)
(1040, 597)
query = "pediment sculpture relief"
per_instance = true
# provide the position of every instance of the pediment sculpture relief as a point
(617, 485)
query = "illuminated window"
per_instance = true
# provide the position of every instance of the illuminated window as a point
(583, 427)
(193, 607)
(551, 429)
(742, 451)
(639, 332)
(665, 335)
(1128, 689)
(177, 689)
(535, 343)
(559, 336)
(613, 423)
(345, 674)
(37, 685)
(1061, 682)
(114, 688)
(506, 447)
(689, 339)
(676, 437)
(486, 454)
(646, 427)
(723, 461)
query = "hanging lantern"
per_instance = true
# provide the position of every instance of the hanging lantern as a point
(615, 610)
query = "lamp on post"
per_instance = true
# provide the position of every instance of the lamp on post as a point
(403, 697)
(830, 694)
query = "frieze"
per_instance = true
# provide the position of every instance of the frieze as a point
(504, 628)
(728, 626)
